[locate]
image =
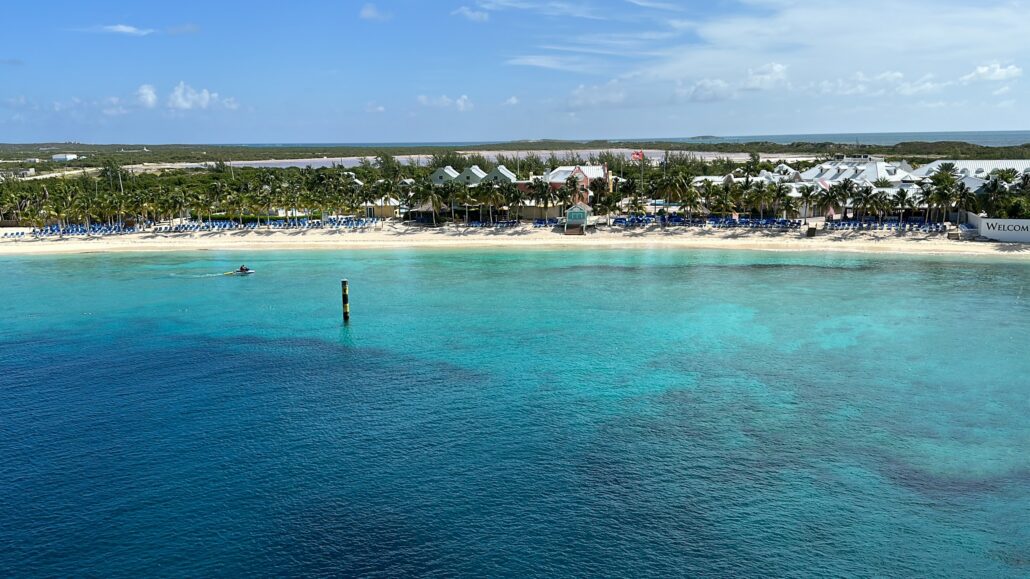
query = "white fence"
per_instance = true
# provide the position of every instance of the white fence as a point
(1005, 229)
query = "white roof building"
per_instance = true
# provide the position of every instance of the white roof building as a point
(583, 172)
(861, 171)
(500, 174)
(975, 168)
(60, 157)
(471, 176)
(443, 175)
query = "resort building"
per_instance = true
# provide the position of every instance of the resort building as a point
(862, 170)
(584, 173)
(500, 174)
(981, 169)
(443, 175)
(471, 176)
(383, 208)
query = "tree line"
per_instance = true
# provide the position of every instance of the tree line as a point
(116, 196)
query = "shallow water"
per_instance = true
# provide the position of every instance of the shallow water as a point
(597, 413)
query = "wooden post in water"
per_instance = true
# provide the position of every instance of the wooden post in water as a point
(345, 289)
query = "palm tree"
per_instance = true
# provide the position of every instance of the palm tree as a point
(903, 201)
(514, 197)
(466, 197)
(964, 199)
(826, 199)
(757, 195)
(568, 192)
(926, 197)
(806, 195)
(491, 196)
(865, 201)
(434, 197)
(994, 191)
(542, 194)
(845, 192)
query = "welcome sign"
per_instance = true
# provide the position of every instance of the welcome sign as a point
(1006, 229)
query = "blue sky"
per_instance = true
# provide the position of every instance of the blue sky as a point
(443, 70)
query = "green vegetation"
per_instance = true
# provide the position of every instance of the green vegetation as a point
(100, 155)
(114, 195)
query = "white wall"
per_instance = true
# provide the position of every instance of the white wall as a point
(973, 218)
(1006, 229)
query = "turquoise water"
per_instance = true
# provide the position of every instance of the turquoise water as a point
(493, 413)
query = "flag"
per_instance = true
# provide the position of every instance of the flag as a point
(638, 155)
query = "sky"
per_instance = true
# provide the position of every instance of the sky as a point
(394, 71)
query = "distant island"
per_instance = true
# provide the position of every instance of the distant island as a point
(96, 155)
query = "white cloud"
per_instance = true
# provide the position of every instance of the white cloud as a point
(470, 14)
(557, 8)
(441, 101)
(511, 101)
(126, 30)
(370, 12)
(766, 77)
(656, 5)
(374, 108)
(462, 103)
(1003, 90)
(553, 62)
(184, 98)
(706, 90)
(993, 71)
(924, 84)
(146, 95)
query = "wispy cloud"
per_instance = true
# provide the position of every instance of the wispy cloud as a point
(374, 108)
(511, 101)
(371, 12)
(461, 104)
(554, 62)
(551, 8)
(993, 71)
(124, 29)
(656, 5)
(470, 14)
(11, 62)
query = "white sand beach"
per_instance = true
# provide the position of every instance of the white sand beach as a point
(396, 235)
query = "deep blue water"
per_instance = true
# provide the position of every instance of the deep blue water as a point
(497, 413)
(985, 138)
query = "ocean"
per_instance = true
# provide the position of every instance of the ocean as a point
(514, 413)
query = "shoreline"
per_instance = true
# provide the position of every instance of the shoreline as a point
(403, 237)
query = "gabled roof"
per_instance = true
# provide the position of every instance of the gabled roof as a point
(560, 174)
(472, 175)
(501, 173)
(448, 171)
(975, 168)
